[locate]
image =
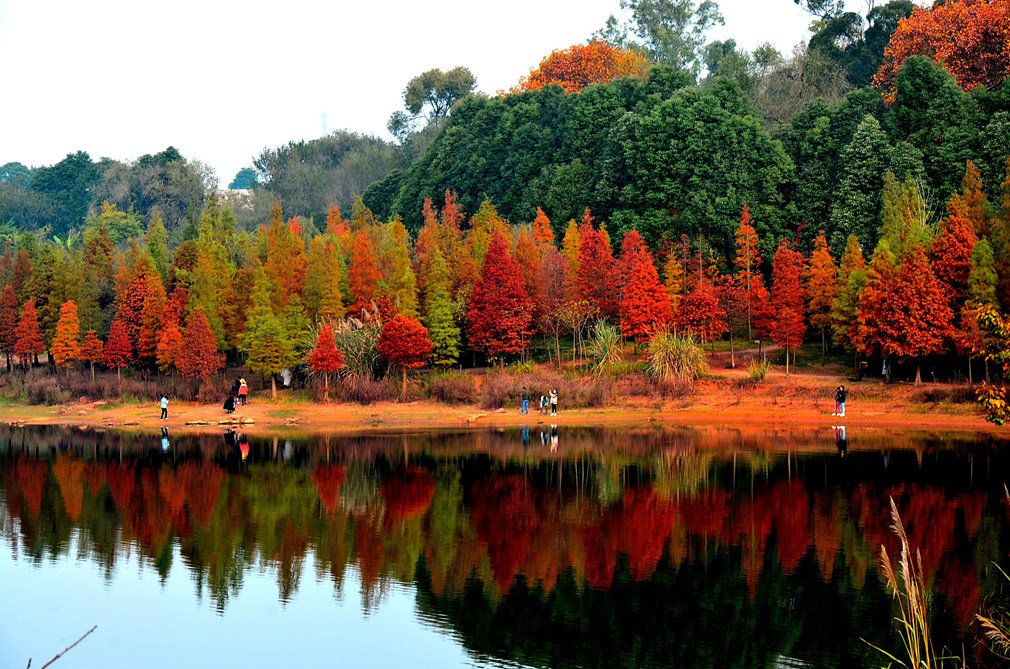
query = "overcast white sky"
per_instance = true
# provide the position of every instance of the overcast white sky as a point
(222, 79)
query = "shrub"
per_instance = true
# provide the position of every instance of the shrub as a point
(504, 390)
(364, 390)
(453, 388)
(674, 358)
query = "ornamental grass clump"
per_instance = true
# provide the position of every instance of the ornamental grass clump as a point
(605, 346)
(908, 588)
(675, 358)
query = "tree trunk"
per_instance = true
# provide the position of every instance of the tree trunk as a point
(403, 390)
(557, 349)
(732, 353)
(326, 386)
(787, 361)
(918, 374)
(824, 347)
(970, 382)
(273, 386)
(92, 372)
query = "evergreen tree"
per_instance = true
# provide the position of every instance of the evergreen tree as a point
(951, 250)
(157, 244)
(748, 264)
(29, 342)
(851, 281)
(398, 280)
(265, 343)
(438, 313)
(857, 200)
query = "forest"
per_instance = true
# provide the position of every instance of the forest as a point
(666, 193)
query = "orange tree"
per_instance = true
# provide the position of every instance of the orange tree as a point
(969, 37)
(198, 358)
(29, 341)
(787, 299)
(580, 65)
(91, 350)
(404, 343)
(66, 346)
(915, 318)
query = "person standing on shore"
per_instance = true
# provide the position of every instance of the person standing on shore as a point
(243, 390)
(842, 396)
(164, 407)
(554, 401)
(838, 401)
(524, 408)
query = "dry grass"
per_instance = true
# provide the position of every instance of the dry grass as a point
(908, 588)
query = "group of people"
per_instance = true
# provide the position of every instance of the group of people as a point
(840, 395)
(548, 403)
(239, 393)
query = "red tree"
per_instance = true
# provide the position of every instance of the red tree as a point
(787, 299)
(8, 323)
(199, 357)
(91, 350)
(325, 357)
(404, 343)
(29, 335)
(498, 321)
(646, 306)
(596, 259)
(118, 350)
(700, 314)
(951, 250)
(915, 317)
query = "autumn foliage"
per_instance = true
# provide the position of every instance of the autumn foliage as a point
(501, 311)
(404, 343)
(325, 358)
(969, 37)
(198, 358)
(580, 65)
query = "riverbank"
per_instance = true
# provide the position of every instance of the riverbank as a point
(799, 400)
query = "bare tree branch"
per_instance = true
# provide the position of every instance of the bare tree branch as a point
(64, 651)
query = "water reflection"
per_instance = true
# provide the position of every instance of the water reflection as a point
(577, 547)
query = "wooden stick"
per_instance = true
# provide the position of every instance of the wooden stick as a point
(64, 651)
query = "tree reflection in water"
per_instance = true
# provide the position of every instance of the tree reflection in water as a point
(579, 547)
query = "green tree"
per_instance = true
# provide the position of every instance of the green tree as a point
(857, 201)
(267, 346)
(671, 32)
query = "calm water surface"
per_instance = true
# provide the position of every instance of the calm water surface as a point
(565, 547)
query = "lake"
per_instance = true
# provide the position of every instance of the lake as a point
(541, 546)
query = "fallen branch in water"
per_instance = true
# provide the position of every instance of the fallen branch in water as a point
(64, 651)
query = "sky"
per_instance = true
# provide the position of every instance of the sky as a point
(221, 80)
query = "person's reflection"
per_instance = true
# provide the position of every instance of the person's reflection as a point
(840, 442)
(525, 432)
(164, 440)
(554, 438)
(243, 446)
(543, 436)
